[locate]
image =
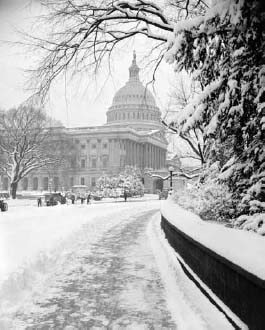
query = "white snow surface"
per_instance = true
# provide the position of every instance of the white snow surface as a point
(242, 248)
(191, 310)
(36, 242)
(28, 233)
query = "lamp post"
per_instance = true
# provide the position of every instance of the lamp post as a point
(171, 169)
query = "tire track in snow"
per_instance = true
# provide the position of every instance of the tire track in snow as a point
(113, 284)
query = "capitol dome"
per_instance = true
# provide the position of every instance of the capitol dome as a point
(134, 104)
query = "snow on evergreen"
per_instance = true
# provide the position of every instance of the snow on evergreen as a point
(223, 50)
(129, 179)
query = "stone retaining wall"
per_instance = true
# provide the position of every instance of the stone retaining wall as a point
(240, 290)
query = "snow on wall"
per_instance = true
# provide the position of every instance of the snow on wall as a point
(243, 248)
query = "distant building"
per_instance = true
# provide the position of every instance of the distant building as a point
(133, 135)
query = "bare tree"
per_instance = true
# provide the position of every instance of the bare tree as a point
(26, 144)
(84, 33)
(196, 142)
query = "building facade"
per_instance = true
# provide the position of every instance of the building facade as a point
(133, 135)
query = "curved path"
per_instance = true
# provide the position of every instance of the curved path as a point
(109, 281)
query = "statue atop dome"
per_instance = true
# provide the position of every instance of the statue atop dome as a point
(134, 69)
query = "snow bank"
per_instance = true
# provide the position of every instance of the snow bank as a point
(189, 307)
(245, 249)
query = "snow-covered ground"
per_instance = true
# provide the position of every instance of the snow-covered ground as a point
(28, 232)
(190, 309)
(32, 240)
(60, 265)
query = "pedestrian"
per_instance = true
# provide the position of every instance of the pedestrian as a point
(39, 202)
(125, 196)
(88, 198)
(82, 199)
(73, 199)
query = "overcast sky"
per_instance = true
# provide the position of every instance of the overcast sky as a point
(84, 101)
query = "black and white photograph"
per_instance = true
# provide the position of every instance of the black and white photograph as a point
(132, 164)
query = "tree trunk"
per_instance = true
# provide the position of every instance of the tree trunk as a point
(13, 190)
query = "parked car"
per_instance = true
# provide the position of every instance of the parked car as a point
(52, 199)
(96, 197)
(3, 205)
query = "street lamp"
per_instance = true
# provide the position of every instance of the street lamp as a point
(171, 169)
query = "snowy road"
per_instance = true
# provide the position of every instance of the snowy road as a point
(104, 266)
(103, 275)
(110, 283)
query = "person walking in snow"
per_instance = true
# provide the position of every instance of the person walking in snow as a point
(125, 196)
(39, 202)
(88, 198)
(73, 199)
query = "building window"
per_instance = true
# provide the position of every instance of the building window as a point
(25, 184)
(104, 162)
(82, 181)
(73, 163)
(94, 146)
(105, 145)
(99, 140)
(83, 163)
(71, 182)
(35, 183)
(45, 183)
(5, 183)
(56, 183)
(94, 163)
(93, 182)
(83, 146)
(77, 141)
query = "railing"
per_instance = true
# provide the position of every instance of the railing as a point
(241, 291)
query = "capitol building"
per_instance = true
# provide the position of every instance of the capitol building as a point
(133, 135)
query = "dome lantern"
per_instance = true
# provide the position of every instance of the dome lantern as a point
(134, 69)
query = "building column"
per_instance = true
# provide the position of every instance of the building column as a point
(133, 153)
(129, 152)
(136, 154)
(147, 155)
(153, 156)
(155, 164)
(126, 152)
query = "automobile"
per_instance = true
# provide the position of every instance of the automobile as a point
(3, 205)
(52, 199)
(96, 197)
